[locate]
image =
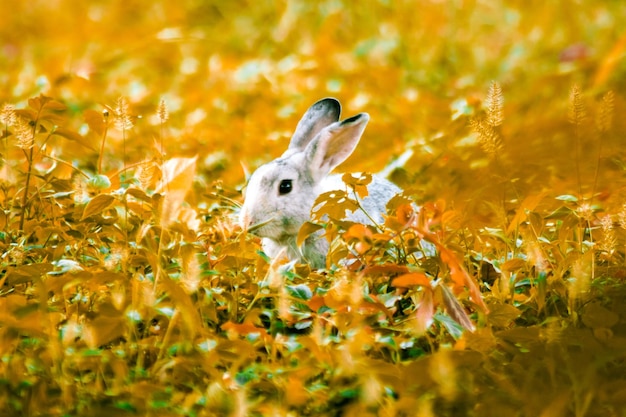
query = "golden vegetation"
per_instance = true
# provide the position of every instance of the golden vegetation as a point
(128, 289)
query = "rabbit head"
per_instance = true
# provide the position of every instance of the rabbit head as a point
(280, 194)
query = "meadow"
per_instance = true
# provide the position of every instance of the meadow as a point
(128, 130)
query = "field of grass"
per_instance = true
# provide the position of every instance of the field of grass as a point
(128, 288)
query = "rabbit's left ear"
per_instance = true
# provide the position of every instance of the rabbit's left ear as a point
(318, 116)
(334, 144)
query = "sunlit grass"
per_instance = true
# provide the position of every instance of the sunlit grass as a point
(129, 289)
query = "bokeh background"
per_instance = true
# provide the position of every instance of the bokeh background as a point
(237, 75)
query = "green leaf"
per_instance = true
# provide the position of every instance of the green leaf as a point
(567, 197)
(99, 182)
(301, 291)
(454, 328)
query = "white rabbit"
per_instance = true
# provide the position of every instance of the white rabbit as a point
(280, 194)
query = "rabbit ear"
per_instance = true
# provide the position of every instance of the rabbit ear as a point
(317, 117)
(334, 144)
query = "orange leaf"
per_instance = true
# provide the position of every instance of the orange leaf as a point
(385, 269)
(316, 302)
(358, 231)
(610, 62)
(410, 280)
(460, 276)
(103, 329)
(425, 312)
(243, 328)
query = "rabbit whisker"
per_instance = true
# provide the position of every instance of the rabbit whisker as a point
(257, 226)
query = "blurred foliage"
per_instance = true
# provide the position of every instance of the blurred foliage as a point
(127, 288)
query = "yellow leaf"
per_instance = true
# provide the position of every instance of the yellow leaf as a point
(306, 230)
(594, 315)
(528, 205)
(73, 136)
(97, 205)
(178, 176)
(103, 330)
(513, 265)
(502, 315)
(95, 121)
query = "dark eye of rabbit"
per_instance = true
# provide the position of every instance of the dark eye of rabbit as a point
(284, 187)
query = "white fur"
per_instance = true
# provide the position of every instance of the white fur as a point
(318, 145)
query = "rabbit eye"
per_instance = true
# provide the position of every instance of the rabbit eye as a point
(284, 187)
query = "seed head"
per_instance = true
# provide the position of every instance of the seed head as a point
(8, 116)
(24, 133)
(122, 117)
(162, 111)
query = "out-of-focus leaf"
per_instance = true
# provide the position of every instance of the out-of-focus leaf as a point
(27, 273)
(502, 315)
(481, 340)
(411, 279)
(301, 291)
(95, 121)
(567, 197)
(316, 302)
(386, 269)
(528, 205)
(594, 315)
(178, 176)
(243, 329)
(189, 314)
(357, 231)
(513, 265)
(520, 335)
(74, 136)
(103, 330)
(99, 182)
(610, 61)
(425, 312)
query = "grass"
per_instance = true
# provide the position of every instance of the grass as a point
(128, 288)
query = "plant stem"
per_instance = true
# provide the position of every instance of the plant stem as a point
(29, 158)
(100, 157)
